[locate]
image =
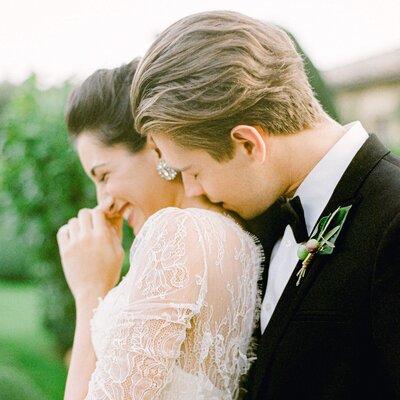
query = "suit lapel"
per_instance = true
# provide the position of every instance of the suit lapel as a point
(345, 194)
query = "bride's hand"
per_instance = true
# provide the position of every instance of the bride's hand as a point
(91, 253)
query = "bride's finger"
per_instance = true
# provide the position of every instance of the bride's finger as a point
(73, 227)
(63, 236)
(85, 220)
(99, 220)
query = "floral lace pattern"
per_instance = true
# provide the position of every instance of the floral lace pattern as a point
(179, 324)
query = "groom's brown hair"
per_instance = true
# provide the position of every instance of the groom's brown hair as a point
(212, 71)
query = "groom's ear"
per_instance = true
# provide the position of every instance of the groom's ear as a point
(251, 141)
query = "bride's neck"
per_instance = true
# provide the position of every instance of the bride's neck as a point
(204, 203)
(198, 202)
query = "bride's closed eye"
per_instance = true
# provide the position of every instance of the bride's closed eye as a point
(103, 177)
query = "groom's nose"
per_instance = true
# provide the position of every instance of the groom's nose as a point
(192, 187)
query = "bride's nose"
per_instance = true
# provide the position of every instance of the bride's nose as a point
(107, 204)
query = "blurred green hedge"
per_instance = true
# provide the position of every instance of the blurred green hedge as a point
(321, 89)
(15, 384)
(42, 186)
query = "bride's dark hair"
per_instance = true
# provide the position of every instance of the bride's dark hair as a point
(101, 105)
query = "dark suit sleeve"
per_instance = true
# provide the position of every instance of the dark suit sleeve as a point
(386, 303)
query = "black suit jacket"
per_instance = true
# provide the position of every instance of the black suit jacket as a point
(337, 334)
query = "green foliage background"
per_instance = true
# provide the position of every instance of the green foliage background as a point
(42, 186)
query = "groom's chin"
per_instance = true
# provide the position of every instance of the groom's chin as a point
(250, 213)
(241, 213)
(226, 207)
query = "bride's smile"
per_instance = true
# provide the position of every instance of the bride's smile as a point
(127, 184)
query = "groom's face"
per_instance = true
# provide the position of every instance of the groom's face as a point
(237, 184)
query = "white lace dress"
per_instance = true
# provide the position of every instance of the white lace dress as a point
(179, 325)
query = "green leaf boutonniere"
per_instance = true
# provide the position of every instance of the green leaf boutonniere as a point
(322, 239)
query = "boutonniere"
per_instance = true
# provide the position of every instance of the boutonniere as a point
(322, 239)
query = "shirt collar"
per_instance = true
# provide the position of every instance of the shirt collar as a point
(318, 186)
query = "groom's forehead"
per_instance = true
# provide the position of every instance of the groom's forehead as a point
(174, 152)
(167, 147)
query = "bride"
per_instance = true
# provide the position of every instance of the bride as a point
(179, 324)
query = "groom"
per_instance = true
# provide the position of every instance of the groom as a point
(227, 102)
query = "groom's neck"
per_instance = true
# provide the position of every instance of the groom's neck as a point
(304, 150)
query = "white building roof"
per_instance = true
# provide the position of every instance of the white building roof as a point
(381, 68)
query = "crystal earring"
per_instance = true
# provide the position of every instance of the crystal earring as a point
(166, 172)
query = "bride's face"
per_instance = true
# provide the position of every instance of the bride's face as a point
(126, 183)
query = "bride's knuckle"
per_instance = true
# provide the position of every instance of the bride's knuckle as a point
(83, 212)
(72, 221)
(62, 231)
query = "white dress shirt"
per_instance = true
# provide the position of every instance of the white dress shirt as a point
(314, 192)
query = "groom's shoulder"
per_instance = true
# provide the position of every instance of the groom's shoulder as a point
(382, 165)
(387, 171)
(382, 182)
(392, 162)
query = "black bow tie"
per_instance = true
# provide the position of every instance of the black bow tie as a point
(293, 214)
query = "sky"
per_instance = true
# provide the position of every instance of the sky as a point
(69, 39)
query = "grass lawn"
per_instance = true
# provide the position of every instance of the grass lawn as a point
(27, 355)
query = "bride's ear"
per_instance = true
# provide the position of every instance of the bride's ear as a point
(251, 141)
(152, 146)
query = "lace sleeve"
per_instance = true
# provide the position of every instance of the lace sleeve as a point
(166, 288)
